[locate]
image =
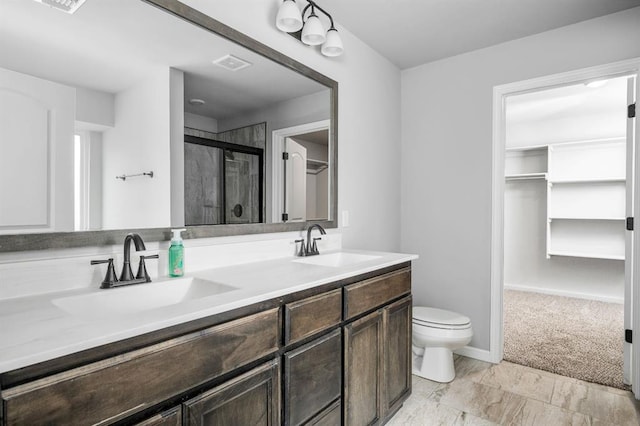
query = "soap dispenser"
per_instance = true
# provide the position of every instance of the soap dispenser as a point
(176, 254)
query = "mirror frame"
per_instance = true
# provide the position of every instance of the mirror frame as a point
(62, 240)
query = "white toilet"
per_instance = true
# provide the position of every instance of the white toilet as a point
(436, 334)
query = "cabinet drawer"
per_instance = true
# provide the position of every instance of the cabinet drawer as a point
(313, 377)
(369, 294)
(117, 387)
(311, 315)
(172, 417)
(332, 416)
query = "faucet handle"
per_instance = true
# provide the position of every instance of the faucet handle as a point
(142, 268)
(302, 251)
(110, 277)
(314, 246)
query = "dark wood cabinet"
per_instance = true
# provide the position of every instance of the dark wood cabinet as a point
(171, 417)
(377, 348)
(312, 315)
(363, 354)
(312, 378)
(331, 416)
(396, 319)
(251, 399)
(374, 292)
(338, 355)
(117, 387)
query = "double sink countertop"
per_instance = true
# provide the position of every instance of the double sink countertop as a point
(40, 328)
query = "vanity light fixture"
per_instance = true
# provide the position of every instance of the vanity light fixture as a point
(69, 6)
(309, 30)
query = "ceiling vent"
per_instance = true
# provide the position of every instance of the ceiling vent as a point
(232, 63)
(69, 6)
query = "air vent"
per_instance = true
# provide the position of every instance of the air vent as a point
(232, 63)
(69, 6)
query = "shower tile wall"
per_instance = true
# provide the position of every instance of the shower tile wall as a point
(203, 197)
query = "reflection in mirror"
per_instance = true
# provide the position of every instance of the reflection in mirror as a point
(121, 88)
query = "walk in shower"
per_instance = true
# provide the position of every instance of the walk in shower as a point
(223, 182)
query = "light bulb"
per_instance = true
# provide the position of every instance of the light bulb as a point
(333, 45)
(289, 18)
(313, 31)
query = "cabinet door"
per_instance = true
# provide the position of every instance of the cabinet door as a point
(251, 399)
(313, 378)
(397, 354)
(363, 357)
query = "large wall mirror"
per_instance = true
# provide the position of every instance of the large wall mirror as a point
(149, 115)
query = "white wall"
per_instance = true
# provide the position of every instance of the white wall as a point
(94, 109)
(446, 153)
(200, 122)
(176, 151)
(138, 143)
(95, 180)
(369, 119)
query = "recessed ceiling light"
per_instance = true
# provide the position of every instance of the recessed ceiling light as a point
(69, 6)
(197, 102)
(232, 63)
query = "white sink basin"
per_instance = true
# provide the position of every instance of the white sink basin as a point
(336, 260)
(129, 300)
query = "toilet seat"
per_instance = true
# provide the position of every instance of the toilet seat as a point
(439, 318)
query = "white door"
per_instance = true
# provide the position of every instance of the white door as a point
(295, 181)
(36, 154)
(631, 368)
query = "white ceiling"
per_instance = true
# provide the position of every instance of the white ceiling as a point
(414, 32)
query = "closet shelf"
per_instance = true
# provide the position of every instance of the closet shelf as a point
(316, 166)
(527, 148)
(598, 255)
(588, 180)
(585, 218)
(526, 176)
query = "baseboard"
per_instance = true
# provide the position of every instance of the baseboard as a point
(475, 353)
(555, 292)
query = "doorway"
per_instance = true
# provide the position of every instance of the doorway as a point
(300, 189)
(567, 192)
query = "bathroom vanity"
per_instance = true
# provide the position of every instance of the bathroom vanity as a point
(297, 342)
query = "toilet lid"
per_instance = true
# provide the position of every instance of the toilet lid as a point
(439, 316)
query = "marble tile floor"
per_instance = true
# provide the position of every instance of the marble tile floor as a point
(511, 394)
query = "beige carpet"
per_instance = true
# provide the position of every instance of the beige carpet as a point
(576, 338)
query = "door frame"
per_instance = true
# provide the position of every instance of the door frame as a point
(277, 174)
(626, 67)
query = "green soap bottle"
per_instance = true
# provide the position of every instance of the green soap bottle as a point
(176, 254)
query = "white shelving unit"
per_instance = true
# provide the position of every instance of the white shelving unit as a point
(585, 194)
(526, 163)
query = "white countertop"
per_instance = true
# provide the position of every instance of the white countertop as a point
(34, 329)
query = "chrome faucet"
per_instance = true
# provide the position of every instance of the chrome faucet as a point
(126, 277)
(312, 247)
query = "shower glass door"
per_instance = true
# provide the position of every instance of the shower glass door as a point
(242, 172)
(223, 182)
